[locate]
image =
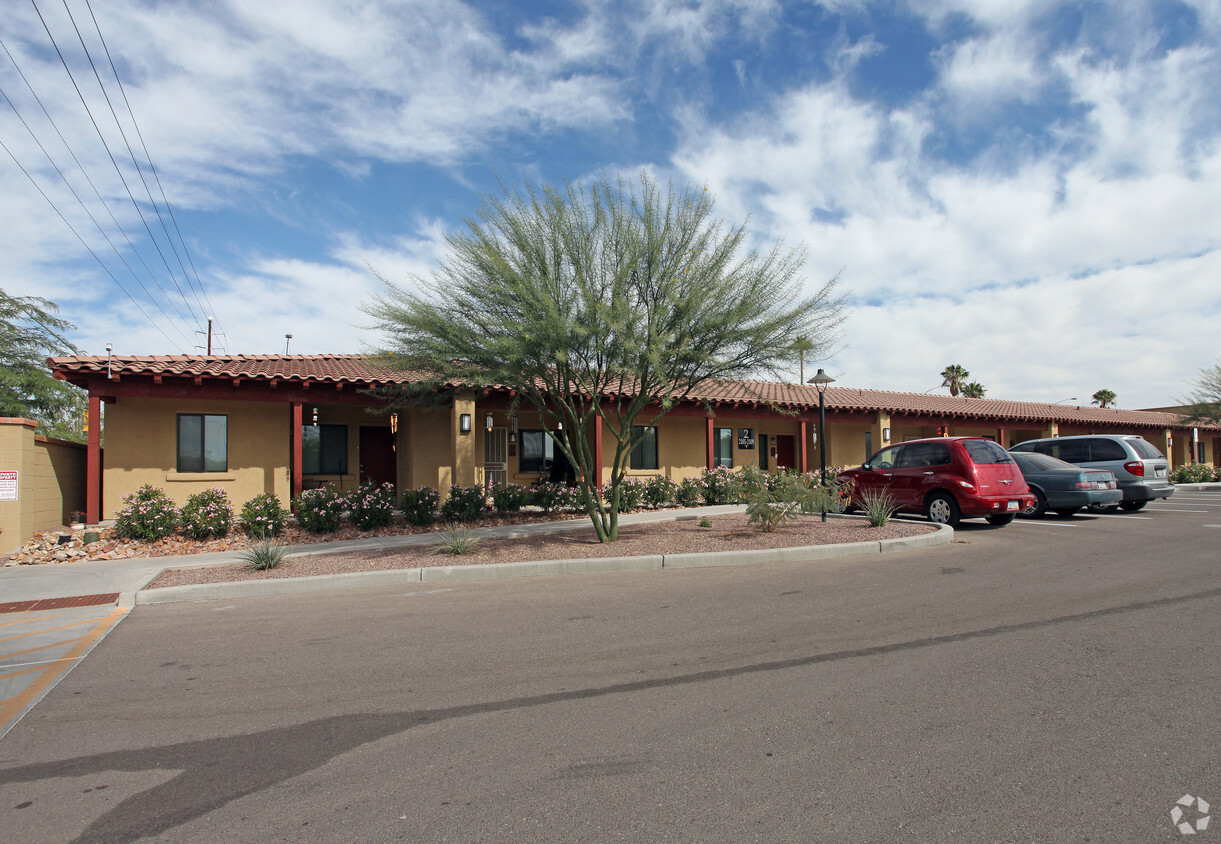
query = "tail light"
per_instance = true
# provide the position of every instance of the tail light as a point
(1136, 468)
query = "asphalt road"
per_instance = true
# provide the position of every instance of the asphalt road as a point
(1049, 681)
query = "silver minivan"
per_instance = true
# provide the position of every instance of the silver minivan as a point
(1141, 470)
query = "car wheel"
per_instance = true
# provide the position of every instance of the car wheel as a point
(1103, 508)
(940, 507)
(999, 519)
(1068, 511)
(1132, 506)
(1040, 505)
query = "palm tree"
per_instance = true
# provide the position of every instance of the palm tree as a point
(802, 345)
(1104, 398)
(974, 390)
(954, 376)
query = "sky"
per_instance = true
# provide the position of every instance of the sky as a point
(1030, 189)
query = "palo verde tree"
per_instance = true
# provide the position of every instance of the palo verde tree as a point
(607, 304)
(955, 377)
(30, 331)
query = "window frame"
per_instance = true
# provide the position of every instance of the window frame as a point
(203, 443)
(545, 459)
(323, 465)
(725, 436)
(638, 458)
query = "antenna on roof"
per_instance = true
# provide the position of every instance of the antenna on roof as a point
(288, 338)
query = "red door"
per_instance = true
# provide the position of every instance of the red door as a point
(786, 452)
(377, 455)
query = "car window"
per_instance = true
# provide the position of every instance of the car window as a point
(985, 452)
(1041, 462)
(886, 458)
(1073, 451)
(1144, 448)
(1104, 449)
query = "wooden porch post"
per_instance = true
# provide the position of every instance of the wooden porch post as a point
(805, 434)
(708, 438)
(598, 452)
(93, 462)
(296, 450)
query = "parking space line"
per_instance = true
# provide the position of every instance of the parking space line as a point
(1160, 510)
(30, 620)
(1037, 523)
(1113, 516)
(48, 630)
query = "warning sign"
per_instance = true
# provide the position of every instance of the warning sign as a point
(8, 486)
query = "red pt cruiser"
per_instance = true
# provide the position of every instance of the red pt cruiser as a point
(945, 478)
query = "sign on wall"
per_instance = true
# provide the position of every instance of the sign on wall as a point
(746, 438)
(8, 486)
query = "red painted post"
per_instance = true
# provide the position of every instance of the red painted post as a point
(598, 452)
(711, 432)
(296, 450)
(804, 436)
(93, 461)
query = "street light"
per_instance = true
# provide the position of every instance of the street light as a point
(1062, 401)
(821, 380)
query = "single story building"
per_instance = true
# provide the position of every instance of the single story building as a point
(279, 423)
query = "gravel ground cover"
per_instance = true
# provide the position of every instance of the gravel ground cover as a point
(727, 533)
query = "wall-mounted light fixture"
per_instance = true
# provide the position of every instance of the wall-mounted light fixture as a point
(489, 421)
(315, 417)
(464, 423)
(394, 430)
(885, 435)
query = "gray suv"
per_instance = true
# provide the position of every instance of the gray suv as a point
(1140, 468)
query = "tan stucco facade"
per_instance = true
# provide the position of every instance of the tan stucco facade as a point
(50, 481)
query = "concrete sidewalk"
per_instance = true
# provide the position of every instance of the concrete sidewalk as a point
(99, 577)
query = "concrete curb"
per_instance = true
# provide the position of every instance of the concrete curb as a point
(501, 571)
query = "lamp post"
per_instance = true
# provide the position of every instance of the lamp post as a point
(1062, 401)
(821, 380)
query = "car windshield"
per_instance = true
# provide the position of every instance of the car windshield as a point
(983, 452)
(1042, 462)
(1144, 448)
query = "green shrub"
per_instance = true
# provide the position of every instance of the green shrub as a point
(371, 505)
(877, 506)
(509, 498)
(263, 515)
(721, 486)
(464, 504)
(690, 493)
(456, 539)
(1193, 473)
(147, 513)
(660, 491)
(420, 505)
(264, 555)
(206, 514)
(552, 498)
(320, 510)
(631, 494)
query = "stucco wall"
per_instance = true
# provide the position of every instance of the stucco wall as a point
(142, 448)
(50, 481)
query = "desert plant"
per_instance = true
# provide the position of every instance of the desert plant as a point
(552, 498)
(320, 510)
(263, 515)
(877, 506)
(148, 513)
(659, 491)
(371, 505)
(705, 523)
(1193, 473)
(631, 493)
(690, 493)
(509, 498)
(264, 554)
(455, 539)
(420, 505)
(464, 504)
(207, 514)
(721, 485)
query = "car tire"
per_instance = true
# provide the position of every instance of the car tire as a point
(1067, 512)
(1104, 508)
(942, 509)
(999, 519)
(1039, 508)
(1132, 506)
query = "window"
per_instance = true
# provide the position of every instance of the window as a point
(763, 449)
(985, 452)
(537, 451)
(644, 453)
(203, 442)
(324, 449)
(1103, 449)
(722, 447)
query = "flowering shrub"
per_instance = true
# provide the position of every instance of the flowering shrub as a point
(721, 486)
(420, 505)
(631, 494)
(372, 505)
(690, 493)
(206, 514)
(147, 513)
(1193, 473)
(660, 491)
(464, 504)
(263, 515)
(319, 510)
(509, 498)
(552, 497)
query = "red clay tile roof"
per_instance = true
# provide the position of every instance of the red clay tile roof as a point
(362, 369)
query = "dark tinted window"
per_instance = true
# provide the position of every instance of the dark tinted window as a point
(1104, 449)
(203, 442)
(1040, 463)
(916, 455)
(324, 449)
(537, 451)
(986, 452)
(1144, 448)
(644, 453)
(1074, 451)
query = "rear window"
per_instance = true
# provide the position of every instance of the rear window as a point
(985, 452)
(1041, 462)
(1144, 448)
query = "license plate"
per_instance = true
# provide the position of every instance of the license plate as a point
(1012, 505)
(1161, 473)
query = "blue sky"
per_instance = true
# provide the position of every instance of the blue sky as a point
(1029, 189)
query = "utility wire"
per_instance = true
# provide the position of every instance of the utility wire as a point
(87, 246)
(148, 156)
(139, 171)
(115, 163)
(86, 208)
